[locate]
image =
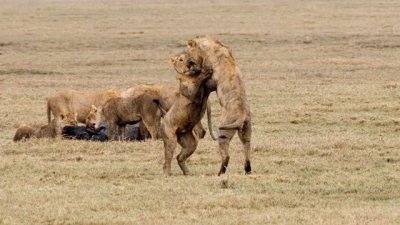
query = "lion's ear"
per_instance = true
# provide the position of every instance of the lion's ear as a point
(173, 59)
(93, 108)
(191, 44)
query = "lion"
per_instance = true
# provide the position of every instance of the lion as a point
(168, 94)
(188, 109)
(119, 111)
(44, 130)
(72, 101)
(134, 132)
(227, 82)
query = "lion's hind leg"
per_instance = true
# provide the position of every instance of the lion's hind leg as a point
(152, 128)
(189, 145)
(224, 138)
(121, 132)
(245, 137)
(170, 143)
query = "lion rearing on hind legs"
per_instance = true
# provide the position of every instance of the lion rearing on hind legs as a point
(227, 82)
(186, 112)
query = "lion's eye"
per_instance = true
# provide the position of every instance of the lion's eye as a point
(180, 60)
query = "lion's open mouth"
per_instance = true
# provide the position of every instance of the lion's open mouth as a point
(194, 69)
(191, 63)
(192, 73)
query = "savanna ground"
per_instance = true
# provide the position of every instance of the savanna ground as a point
(322, 79)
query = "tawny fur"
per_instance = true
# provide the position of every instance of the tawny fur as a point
(227, 82)
(44, 130)
(167, 94)
(120, 111)
(187, 111)
(78, 102)
(92, 120)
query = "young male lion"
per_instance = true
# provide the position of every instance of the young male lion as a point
(226, 81)
(133, 132)
(120, 111)
(187, 111)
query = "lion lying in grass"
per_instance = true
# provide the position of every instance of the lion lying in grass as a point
(227, 82)
(44, 130)
(187, 111)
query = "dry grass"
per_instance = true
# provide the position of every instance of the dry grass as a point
(323, 83)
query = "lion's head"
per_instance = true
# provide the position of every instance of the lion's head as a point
(91, 117)
(208, 50)
(212, 54)
(95, 117)
(186, 65)
(69, 119)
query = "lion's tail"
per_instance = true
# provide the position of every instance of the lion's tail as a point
(48, 112)
(158, 103)
(238, 124)
(209, 121)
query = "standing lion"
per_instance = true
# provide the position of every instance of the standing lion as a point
(227, 82)
(121, 111)
(187, 111)
(72, 101)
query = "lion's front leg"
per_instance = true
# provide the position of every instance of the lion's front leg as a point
(57, 127)
(121, 132)
(111, 129)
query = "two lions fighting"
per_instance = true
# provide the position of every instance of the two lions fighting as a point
(209, 66)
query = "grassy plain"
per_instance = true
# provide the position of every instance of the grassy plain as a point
(322, 78)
